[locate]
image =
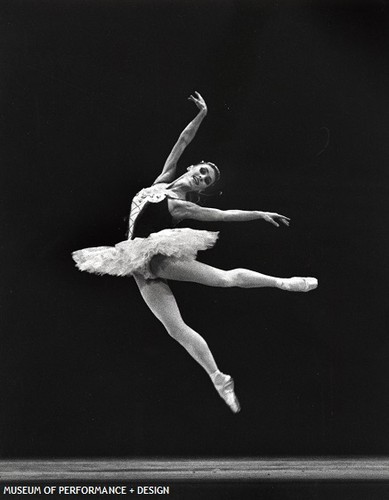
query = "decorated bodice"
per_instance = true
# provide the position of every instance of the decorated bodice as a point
(149, 212)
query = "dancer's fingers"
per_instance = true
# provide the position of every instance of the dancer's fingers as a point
(274, 222)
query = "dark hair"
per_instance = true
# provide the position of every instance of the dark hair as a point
(198, 197)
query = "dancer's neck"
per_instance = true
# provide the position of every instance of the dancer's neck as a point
(179, 187)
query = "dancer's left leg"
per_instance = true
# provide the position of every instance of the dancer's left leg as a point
(198, 272)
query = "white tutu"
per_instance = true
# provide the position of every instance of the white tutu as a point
(134, 256)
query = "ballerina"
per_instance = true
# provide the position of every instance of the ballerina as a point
(157, 251)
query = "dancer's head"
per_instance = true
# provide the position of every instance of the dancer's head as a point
(198, 181)
(202, 176)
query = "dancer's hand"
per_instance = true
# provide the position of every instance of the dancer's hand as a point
(199, 101)
(275, 219)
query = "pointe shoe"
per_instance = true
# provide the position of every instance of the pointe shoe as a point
(226, 392)
(298, 284)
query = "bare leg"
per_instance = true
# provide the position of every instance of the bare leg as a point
(162, 303)
(197, 272)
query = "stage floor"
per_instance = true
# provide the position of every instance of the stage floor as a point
(246, 469)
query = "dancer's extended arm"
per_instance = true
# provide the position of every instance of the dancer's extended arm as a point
(181, 210)
(169, 170)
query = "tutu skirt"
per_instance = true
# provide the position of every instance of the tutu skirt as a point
(133, 256)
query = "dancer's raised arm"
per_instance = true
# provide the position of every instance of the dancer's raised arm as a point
(181, 210)
(169, 170)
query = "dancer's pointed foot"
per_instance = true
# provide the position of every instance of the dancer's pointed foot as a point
(298, 284)
(225, 388)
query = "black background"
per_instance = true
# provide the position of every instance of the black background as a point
(93, 97)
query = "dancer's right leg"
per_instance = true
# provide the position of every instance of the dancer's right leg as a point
(161, 301)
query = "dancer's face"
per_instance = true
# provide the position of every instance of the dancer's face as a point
(200, 176)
